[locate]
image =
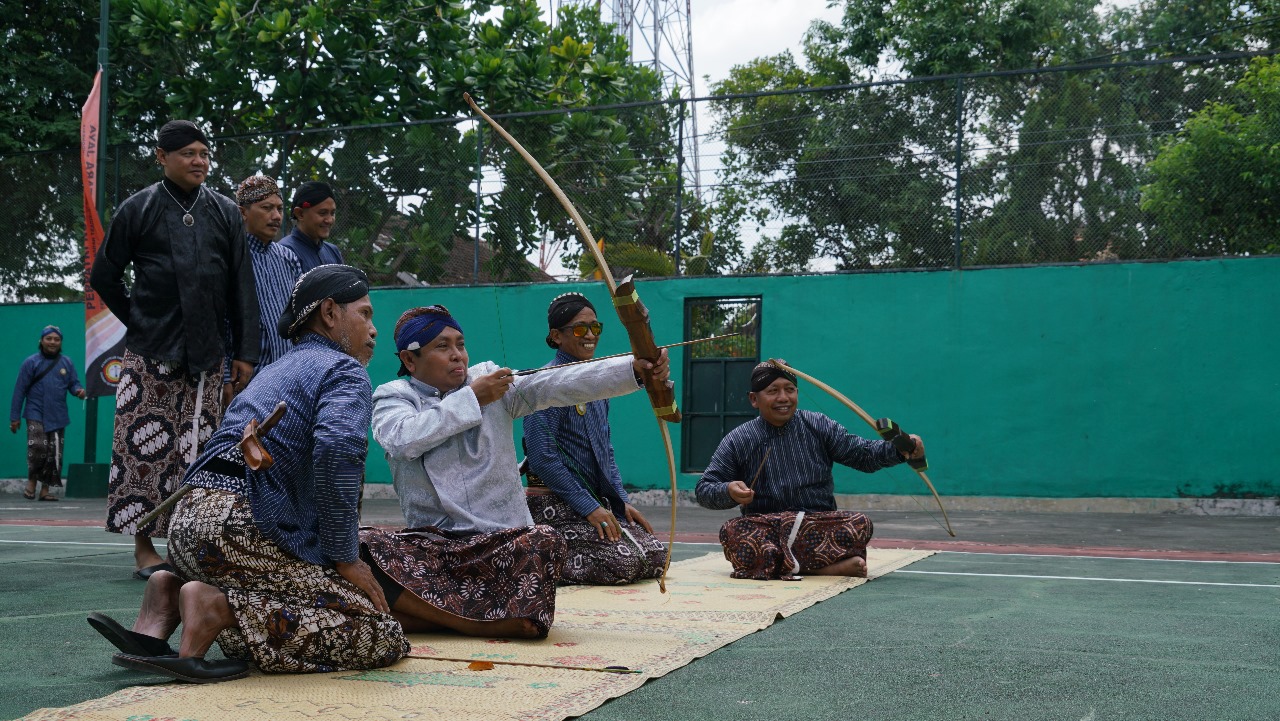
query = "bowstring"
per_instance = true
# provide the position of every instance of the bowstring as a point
(897, 477)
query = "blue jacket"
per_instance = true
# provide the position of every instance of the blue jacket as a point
(307, 501)
(46, 400)
(309, 253)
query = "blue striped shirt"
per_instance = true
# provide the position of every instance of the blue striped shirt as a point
(306, 502)
(275, 269)
(796, 476)
(570, 450)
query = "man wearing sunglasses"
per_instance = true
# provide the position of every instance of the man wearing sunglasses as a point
(574, 483)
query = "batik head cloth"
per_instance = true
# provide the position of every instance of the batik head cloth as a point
(254, 189)
(419, 326)
(50, 330)
(342, 283)
(562, 310)
(178, 134)
(765, 373)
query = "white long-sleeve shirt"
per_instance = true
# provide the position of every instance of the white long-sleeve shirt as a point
(453, 462)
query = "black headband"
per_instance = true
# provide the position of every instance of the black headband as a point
(178, 134)
(562, 310)
(342, 283)
(765, 373)
(310, 193)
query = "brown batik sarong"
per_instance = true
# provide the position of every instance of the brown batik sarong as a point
(44, 454)
(768, 546)
(151, 446)
(493, 576)
(291, 616)
(637, 555)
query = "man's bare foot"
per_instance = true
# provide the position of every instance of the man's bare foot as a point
(205, 614)
(144, 553)
(418, 616)
(855, 567)
(159, 615)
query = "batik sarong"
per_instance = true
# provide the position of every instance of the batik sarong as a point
(590, 560)
(769, 546)
(153, 443)
(291, 616)
(493, 576)
(44, 454)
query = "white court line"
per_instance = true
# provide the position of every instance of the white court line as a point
(1087, 578)
(1106, 558)
(73, 543)
(28, 508)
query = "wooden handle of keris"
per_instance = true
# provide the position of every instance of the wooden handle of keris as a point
(635, 318)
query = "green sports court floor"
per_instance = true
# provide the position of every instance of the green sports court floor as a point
(1025, 616)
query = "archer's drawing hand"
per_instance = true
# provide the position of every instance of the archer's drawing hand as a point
(740, 494)
(489, 388)
(605, 524)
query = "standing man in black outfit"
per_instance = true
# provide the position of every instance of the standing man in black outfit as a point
(192, 279)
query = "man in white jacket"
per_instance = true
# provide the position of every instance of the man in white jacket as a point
(447, 432)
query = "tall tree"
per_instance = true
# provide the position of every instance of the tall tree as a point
(1050, 163)
(269, 77)
(1213, 186)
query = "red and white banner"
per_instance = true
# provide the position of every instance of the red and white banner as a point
(103, 332)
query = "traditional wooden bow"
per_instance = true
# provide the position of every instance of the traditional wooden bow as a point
(871, 422)
(632, 313)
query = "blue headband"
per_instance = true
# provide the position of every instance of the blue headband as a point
(421, 330)
(50, 329)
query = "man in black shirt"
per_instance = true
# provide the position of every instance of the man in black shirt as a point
(192, 278)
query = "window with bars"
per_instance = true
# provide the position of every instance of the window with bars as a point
(717, 373)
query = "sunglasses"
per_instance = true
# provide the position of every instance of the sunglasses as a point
(580, 329)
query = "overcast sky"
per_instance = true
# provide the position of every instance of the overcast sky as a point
(731, 32)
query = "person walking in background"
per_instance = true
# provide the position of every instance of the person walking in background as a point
(44, 380)
(313, 211)
(192, 281)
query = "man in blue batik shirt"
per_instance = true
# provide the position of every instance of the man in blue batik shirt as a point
(267, 560)
(574, 482)
(275, 267)
(314, 212)
(44, 380)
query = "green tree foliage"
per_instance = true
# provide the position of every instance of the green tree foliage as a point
(1213, 186)
(1050, 164)
(46, 69)
(256, 72)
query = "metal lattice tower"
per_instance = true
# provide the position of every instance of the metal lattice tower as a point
(659, 33)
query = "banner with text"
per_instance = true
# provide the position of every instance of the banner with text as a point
(103, 332)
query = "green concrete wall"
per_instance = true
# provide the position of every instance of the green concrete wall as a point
(1124, 380)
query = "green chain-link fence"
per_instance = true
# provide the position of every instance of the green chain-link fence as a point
(1055, 165)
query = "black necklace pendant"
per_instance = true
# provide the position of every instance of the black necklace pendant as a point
(188, 221)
